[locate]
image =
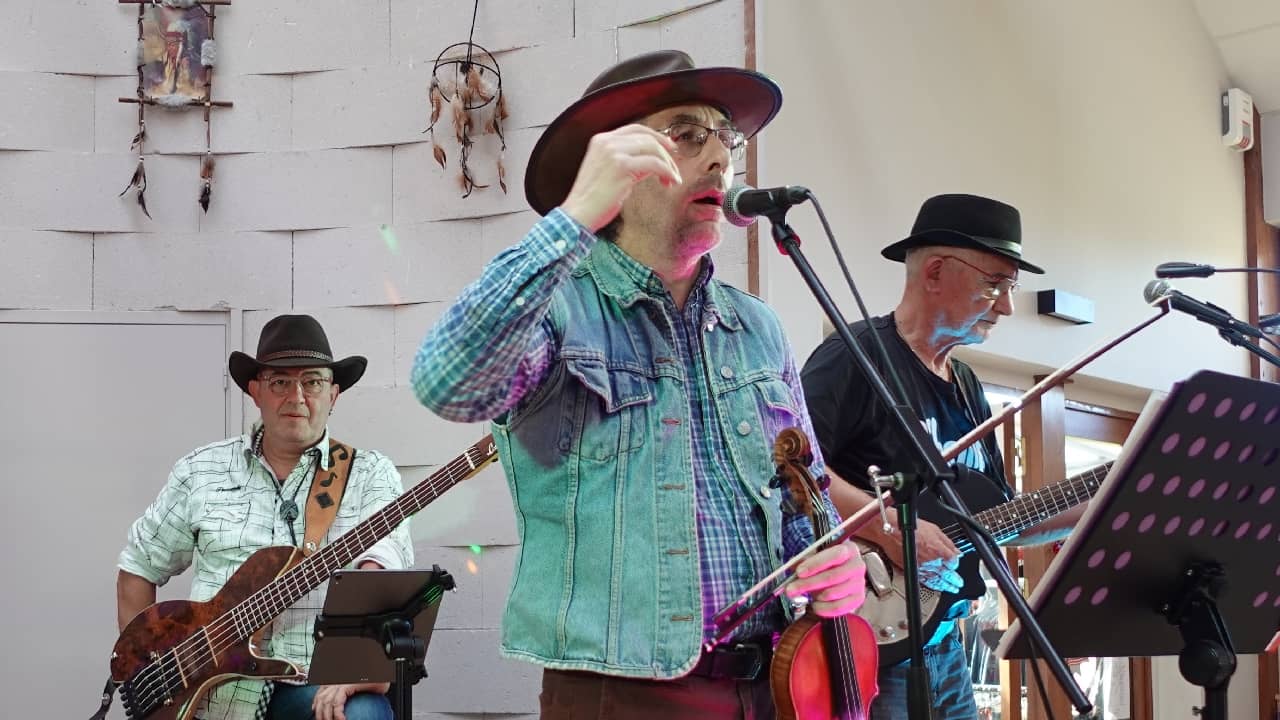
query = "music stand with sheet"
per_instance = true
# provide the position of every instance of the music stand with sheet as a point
(1179, 552)
(375, 627)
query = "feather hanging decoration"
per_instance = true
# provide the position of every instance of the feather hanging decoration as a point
(500, 114)
(139, 180)
(141, 137)
(502, 175)
(436, 97)
(206, 174)
(461, 118)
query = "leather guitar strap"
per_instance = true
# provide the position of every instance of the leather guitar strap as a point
(327, 487)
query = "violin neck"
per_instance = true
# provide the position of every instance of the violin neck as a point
(846, 695)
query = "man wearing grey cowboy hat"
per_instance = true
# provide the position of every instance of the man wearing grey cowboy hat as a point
(286, 482)
(962, 260)
(635, 399)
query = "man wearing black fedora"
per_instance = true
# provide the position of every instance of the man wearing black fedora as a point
(962, 261)
(286, 482)
(635, 399)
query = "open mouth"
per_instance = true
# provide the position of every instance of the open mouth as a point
(709, 197)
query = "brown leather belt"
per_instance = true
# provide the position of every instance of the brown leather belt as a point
(743, 660)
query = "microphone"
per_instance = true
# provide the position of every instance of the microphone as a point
(743, 203)
(1159, 290)
(1183, 269)
(1186, 269)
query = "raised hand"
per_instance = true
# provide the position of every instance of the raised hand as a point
(614, 163)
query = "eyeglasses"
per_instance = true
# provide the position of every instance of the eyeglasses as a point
(690, 137)
(997, 285)
(282, 386)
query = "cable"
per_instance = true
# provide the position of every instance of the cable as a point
(889, 369)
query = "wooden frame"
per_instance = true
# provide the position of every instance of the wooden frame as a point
(1046, 424)
(1262, 249)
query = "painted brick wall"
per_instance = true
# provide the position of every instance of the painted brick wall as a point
(326, 200)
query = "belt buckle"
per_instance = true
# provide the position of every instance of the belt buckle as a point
(756, 654)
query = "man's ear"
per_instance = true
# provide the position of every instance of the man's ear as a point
(255, 389)
(931, 272)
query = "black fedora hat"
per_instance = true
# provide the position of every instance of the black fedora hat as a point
(970, 221)
(629, 90)
(290, 341)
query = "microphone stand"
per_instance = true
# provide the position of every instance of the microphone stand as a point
(1237, 338)
(928, 470)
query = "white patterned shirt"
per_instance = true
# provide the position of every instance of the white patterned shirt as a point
(221, 504)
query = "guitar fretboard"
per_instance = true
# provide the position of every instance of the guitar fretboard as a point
(1006, 520)
(264, 605)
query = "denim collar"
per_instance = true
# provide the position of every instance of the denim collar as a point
(627, 280)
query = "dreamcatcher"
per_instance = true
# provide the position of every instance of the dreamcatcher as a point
(466, 79)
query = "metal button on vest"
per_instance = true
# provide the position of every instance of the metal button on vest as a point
(726, 372)
(744, 428)
(765, 491)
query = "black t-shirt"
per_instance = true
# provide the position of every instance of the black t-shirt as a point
(854, 428)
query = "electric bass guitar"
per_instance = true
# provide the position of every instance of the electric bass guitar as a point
(173, 653)
(885, 607)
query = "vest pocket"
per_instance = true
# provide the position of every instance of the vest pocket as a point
(607, 411)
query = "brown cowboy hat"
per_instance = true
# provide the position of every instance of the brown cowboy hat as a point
(632, 89)
(970, 221)
(291, 341)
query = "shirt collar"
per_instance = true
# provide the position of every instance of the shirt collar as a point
(628, 280)
(253, 445)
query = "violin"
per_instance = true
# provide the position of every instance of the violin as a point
(823, 668)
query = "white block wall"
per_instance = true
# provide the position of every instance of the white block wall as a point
(326, 200)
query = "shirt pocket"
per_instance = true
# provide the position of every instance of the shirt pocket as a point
(607, 411)
(221, 525)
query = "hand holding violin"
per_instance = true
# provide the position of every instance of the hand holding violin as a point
(834, 579)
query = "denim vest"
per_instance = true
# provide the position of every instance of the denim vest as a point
(599, 464)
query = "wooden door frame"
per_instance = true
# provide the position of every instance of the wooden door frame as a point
(1262, 249)
(1046, 423)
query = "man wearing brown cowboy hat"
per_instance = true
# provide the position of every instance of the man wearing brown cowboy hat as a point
(635, 400)
(962, 263)
(226, 500)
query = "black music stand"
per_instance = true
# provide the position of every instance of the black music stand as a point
(1179, 552)
(375, 627)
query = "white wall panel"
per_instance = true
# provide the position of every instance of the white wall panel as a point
(421, 30)
(296, 36)
(237, 269)
(46, 270)
(46, 111)
(300, 190)
(79, 192)
(425, 191)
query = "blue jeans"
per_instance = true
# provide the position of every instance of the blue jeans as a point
(950, 686)
(293, 702)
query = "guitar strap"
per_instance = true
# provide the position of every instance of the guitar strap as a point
(327, 487)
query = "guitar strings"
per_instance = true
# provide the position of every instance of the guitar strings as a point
(1063, 496)
(221, 635)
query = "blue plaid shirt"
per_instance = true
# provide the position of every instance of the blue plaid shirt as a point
(496, 349)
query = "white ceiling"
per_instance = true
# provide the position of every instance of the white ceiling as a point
(1247, 33)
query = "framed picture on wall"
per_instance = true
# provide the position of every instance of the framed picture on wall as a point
(173, 39)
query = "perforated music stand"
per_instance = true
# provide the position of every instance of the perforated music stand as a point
(1179, 552)
(375, 627)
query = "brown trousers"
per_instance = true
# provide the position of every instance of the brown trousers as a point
(590, 696)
